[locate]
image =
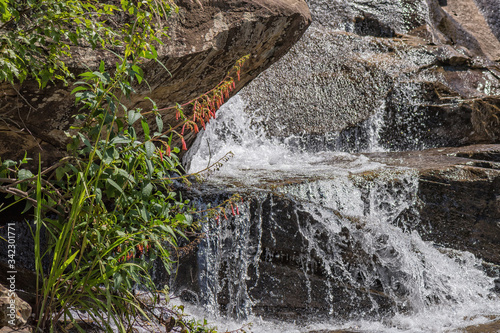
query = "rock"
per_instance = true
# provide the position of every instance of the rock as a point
(14, 312)
(458, 194)
(333, 331)
(460, 202)
(478, 19)
(25, 278)
(492, 327)
(14, 330)
(283, 274)
(206, 41)
(418, 73)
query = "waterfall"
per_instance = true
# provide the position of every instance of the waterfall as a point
(246, 137)
(330, 236)
(325, 238)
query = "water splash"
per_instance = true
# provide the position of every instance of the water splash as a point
(245, 136)
(353, 264)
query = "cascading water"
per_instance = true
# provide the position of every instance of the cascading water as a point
(325, 239)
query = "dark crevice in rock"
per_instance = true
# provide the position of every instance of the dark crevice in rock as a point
(369, 25)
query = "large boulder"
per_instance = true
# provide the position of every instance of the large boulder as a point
(416, 74)
(206, 41)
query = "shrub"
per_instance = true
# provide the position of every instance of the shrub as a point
(109, 208)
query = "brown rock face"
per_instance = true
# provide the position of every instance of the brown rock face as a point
(207, 38)
(14, 312)
(478, 20)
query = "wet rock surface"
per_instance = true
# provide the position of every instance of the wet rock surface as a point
(429, 69)
(280, 272)
(492, 327)
(206, 41)
(458, 196)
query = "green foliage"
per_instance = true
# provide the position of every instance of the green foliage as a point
(109, 208)
(36, 37)
(113, 205)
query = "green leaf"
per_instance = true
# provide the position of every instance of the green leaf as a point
(147, 190)
(27, 207)
(68, 261)
(60, 173)
(150, 168)
(159, 123)
(125, 174)
(4, 10)
(139, 74)
(189, 219)
(145, 128)
(133, 116)
(168, 230)
(108, 156)
(112, 153)
(98, 195)
(114, 185)
(150, 149)
(79, 88)
(120, 139)
(24, 174)
(84, 140)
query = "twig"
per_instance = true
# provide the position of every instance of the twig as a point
(24, 195)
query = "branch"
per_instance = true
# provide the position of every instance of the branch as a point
(17, 192)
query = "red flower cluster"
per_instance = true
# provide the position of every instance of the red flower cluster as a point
(140, 249)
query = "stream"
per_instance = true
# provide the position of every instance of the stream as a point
(323, 240)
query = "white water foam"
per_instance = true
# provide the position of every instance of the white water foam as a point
(235, 131)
